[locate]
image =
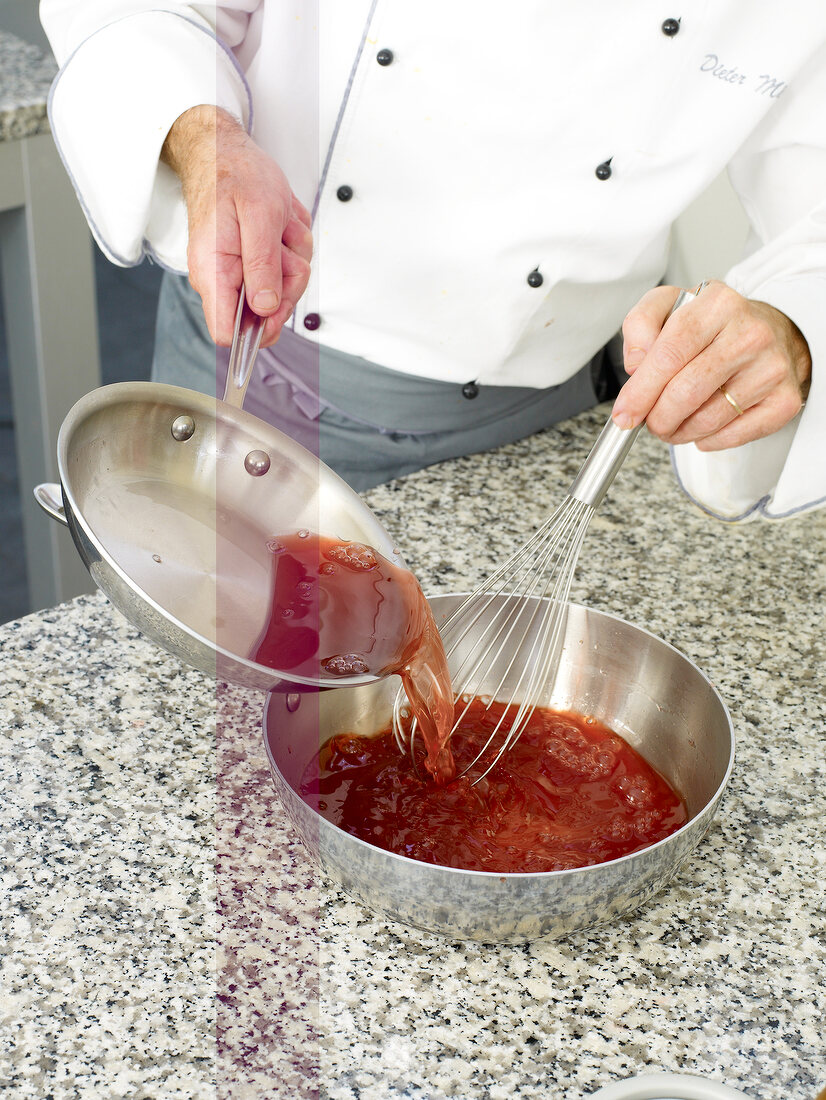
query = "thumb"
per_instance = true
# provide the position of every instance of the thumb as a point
(261, 263)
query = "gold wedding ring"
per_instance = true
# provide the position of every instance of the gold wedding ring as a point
(731, 400)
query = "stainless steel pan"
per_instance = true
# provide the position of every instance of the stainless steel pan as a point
(171, 497)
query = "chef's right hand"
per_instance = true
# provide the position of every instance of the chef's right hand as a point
(245, 224)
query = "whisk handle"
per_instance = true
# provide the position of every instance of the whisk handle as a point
(612, 446)
(601, 466)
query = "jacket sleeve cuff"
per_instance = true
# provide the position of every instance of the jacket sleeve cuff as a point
(784, 474)
(110, 108)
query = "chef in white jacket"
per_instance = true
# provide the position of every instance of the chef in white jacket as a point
(487, 197)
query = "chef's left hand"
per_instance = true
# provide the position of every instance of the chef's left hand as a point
(678, 364)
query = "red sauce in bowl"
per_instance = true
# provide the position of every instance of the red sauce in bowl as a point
(569, 793)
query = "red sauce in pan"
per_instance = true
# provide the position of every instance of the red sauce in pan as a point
(569, 793)
(342, 609)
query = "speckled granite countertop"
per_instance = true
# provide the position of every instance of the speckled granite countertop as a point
(26, 73)
(167, 936)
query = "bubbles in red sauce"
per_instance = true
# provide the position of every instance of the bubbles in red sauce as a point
(569, 793)
(353, 555)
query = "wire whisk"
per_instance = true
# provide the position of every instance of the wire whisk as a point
(504, 642)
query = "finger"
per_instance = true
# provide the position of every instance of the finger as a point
(693, 404)
(760, 417)
(228, 280)
(714, 414)
(214, 262)
(217, 278)
(716, 407)
(643, 324)
(683, 337)
(296, 275)
(760, 420)
(691, 401)
(275, 323)
(301, 212)
(261, 229)
(298, 238)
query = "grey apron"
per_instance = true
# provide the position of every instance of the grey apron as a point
(366, 422)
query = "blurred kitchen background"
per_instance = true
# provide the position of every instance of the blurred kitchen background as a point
(115, 323)
(122, 314)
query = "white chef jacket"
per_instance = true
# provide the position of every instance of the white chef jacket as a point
(476, 146)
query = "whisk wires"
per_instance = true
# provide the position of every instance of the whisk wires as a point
(514, 622)
(504, 642)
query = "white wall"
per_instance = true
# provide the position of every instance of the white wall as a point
(709, 237)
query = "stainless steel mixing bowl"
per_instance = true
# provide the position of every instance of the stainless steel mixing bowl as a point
(635, 683)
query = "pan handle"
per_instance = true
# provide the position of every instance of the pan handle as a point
(50, 499)
(246, 340)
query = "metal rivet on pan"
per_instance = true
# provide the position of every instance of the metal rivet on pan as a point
(257, 463)
(293, 699)
(182, 428)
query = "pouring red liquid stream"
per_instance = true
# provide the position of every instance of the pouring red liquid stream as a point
(342, 609)
(569, 793)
